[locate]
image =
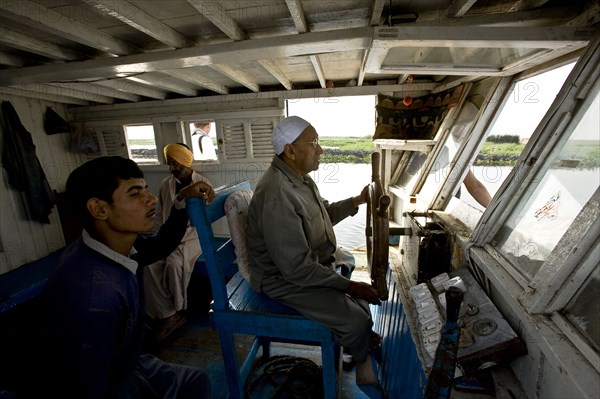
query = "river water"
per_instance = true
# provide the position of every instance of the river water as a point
(340, 181)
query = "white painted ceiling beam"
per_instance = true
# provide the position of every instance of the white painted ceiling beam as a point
(155, 79)
(299, 19)
(64, 92)
(40, 17)
(272, 67)
(192, 76)
(216, 14)
(223, 53)
(133, 16)
(99, 90)
(518, 18)
(10, 59)
(318, 69)
(458, 8)
(376, 10)
(298, 16)
(40, 47)
(237, 75)
(127, 86)
(11, 91)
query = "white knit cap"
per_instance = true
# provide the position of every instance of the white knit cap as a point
(287, 131)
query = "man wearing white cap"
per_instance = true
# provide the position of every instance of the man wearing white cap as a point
(292, 245)
(166, 281)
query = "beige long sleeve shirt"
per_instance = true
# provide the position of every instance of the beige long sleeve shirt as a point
(290, 230)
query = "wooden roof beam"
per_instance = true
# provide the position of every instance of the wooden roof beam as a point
(223, 53)
(11, 91)
(216, 14)
(66, 92)
(314, 59)
(39, 17)
(99, 90)
(237, 75)
(10, 59)
(298, 16)
(127, 86)
(272, 67)
(131, 15)
(40, 47)
(156, 79)
(192, 76)
(376, 11)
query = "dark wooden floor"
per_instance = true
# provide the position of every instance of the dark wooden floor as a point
(197, 344)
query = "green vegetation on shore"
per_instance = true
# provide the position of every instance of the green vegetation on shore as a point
(358, 150)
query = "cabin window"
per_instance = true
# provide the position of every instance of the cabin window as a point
(141, 143)
(572, 176)
(203, 140)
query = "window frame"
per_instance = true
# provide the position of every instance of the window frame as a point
(541, 298)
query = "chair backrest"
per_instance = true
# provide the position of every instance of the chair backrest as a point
(217, 254)
(236, 208)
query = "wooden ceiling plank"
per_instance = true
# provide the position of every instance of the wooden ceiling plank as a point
(272, 67)
(40, 47)
(237, 75)
(198, 79)
(216, 14)
(298, 16)
(39, 17)
(131, 15)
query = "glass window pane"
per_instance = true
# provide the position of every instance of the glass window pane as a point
(583, 310)
(141, 143)
(204, 140)
(532, 232)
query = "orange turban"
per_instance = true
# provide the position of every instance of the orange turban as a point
(180, 154)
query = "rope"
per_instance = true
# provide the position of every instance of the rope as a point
(292, 378)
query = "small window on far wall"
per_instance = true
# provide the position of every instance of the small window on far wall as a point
(204, 140)
(141, 143)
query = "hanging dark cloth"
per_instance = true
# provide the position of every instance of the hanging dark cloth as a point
(24, 171)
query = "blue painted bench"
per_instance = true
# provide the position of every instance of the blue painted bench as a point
(26, 282)
(237, 309)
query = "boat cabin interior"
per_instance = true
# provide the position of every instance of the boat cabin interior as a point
(81, 79)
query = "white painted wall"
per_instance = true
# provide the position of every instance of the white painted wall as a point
(22, 240)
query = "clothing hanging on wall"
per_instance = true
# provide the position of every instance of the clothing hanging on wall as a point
(24, 171)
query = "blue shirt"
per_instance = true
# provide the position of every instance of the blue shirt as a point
(94, 314)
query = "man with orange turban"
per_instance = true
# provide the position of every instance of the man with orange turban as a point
(166, 281)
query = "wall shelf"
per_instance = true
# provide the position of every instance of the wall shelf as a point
(405, 145)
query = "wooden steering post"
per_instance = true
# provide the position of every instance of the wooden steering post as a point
(377, 230)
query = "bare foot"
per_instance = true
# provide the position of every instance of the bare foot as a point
(366, 373)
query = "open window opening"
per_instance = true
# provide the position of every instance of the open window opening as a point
(345, 126)
(528, 103)
(204, 140)
(141, 144)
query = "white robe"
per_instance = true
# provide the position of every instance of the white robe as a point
(166, 281)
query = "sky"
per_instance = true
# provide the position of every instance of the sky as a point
(355, 116)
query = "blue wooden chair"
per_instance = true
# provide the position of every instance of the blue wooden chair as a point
(237, 309)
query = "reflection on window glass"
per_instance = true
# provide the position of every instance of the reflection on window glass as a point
(141, 143)
(204, 140)
(532, 232)
(583, 310)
